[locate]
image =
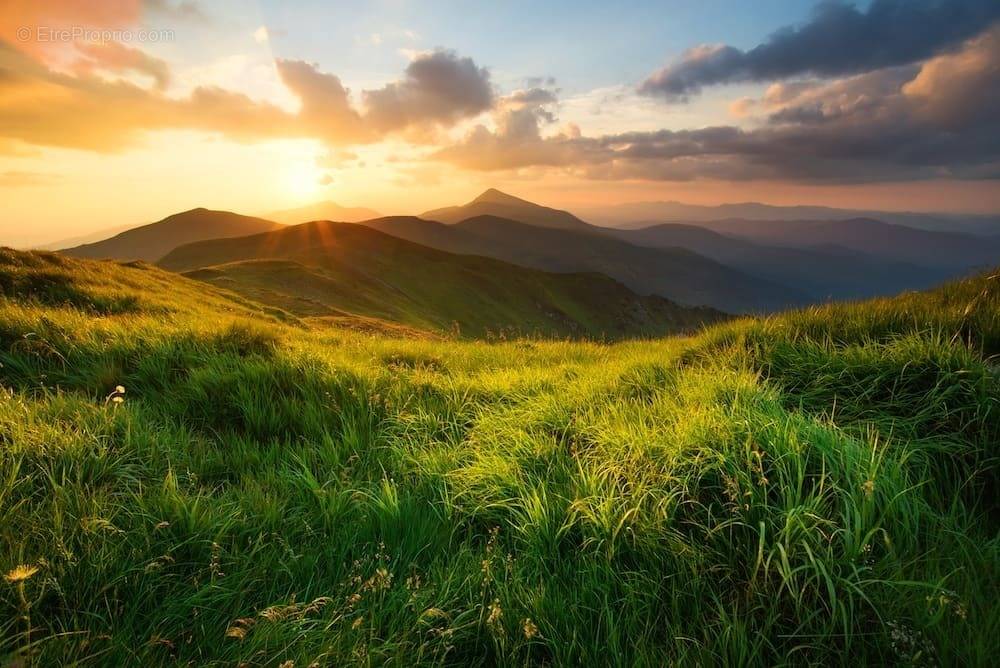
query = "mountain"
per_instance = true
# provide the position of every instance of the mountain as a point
(675, 273)
(644, 214)
(875, 238)
(492, 202)
(335, 270)
(322, 211)
(824, 272)
(812, 273)
(153, 241)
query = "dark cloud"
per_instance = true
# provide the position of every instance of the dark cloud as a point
(438, 88)
(938, 119)
(839, 40)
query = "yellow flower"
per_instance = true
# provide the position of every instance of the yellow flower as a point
(120, 389)
(20, 573)
(530, 630)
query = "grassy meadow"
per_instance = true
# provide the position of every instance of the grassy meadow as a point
(188, 478)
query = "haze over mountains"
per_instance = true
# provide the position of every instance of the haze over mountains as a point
(492, 202)
(643, 214)
(326, 210)
(500, 261)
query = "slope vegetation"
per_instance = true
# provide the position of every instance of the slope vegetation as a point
(814, 488)
(325, 269)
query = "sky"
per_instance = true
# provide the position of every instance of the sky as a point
(122, 112)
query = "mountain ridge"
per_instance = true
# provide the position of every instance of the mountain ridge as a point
(153, 241)
(324, 269)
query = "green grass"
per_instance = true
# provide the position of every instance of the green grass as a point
(814, 488)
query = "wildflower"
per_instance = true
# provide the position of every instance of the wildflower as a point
(118, 396)
(868, 487)
(20, 573)
(530, 630)
(357, 623)
(496, 612)
(380, 581)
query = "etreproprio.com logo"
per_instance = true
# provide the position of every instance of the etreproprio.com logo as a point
(84, 34)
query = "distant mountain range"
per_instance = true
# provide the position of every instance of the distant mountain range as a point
(325, 269)
(894, 243)
(419, 270)
(153, 241)
(322, 211)
(492, 202)
(644, 214)
(675, 273)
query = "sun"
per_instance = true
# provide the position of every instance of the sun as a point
(301, 181)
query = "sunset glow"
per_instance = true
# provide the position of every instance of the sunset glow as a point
(239, 105)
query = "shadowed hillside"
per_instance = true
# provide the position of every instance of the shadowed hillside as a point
(187, 480)
(335, 269)
(823, 271)
(675, 273)
(153, 241)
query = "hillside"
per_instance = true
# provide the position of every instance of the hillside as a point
(806, 264)
(322, 211)
(492, 202)
(795, 489)
(674, 273)
(325, 269)
(153, 241)
(824, 271)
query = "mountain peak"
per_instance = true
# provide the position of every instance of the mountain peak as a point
(494, 196)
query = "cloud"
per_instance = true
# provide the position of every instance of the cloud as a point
(115, 57)
(940, 118)
(438, 88)
(326, 107)
(325, 180)
(44, 107)
(186, 10)
(838, 40)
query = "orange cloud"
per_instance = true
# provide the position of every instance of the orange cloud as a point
(117, 58)
(42, 106)
(24, 23)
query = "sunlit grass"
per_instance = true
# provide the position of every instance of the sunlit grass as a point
(184, 480)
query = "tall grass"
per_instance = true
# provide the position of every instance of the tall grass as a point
(815, 488)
